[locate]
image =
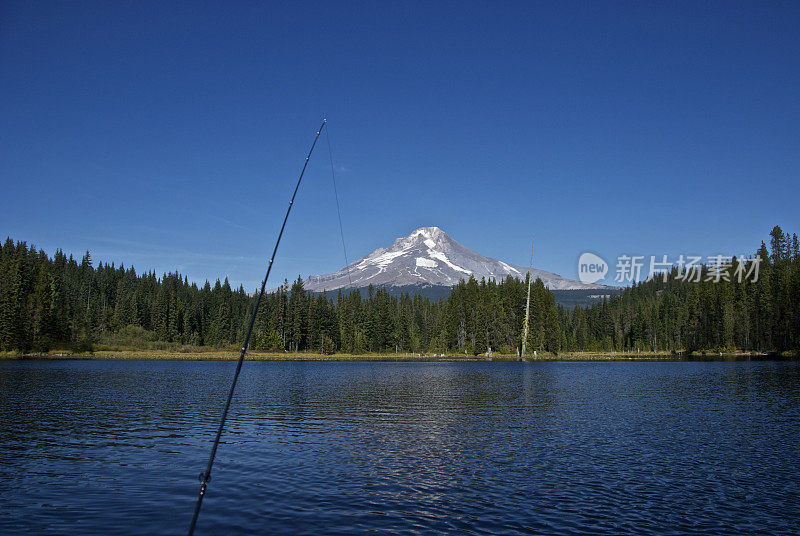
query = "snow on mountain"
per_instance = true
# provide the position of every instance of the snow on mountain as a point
(429, 257)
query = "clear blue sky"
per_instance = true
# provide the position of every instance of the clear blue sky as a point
(169, 135)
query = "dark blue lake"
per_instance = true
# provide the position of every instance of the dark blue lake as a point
(101, 447)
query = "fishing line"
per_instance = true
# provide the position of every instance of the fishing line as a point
(338, 211)
(205, 476)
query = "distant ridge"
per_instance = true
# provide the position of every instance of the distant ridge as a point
(567, 298)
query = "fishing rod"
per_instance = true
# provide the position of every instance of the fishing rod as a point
(205, 476)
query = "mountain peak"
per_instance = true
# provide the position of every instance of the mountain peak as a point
(428, 232)
(428, 257)
(430, 236)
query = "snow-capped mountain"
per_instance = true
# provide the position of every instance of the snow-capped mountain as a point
(429, 257)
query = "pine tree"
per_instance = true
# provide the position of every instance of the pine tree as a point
(298, 317)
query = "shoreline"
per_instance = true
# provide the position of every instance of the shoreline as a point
(221, 355)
